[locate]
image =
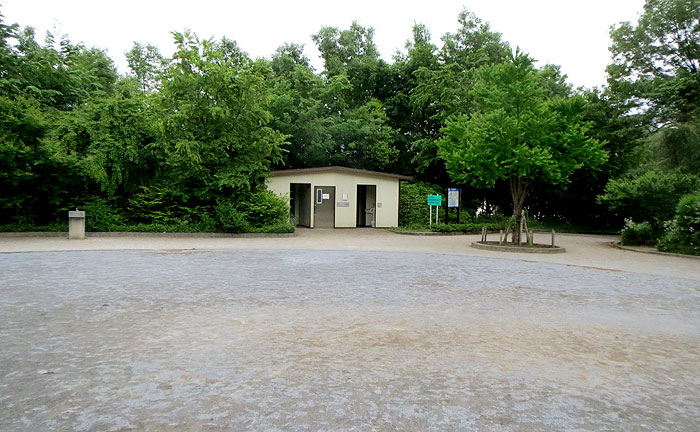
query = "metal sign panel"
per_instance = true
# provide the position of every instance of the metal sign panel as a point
(453, 197)
(434, 200)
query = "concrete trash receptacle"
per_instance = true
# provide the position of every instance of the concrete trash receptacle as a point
(76, 225)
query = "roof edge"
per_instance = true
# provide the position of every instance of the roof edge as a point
(339, 169)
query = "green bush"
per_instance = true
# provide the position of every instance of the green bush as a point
(683, 235)
(284, 228)
(164, 206)
(100, 216)
(471, 227)
(28, 227)
(163, 228)
(230, 219)
(651, 197)
(639, 234)
(265, 208)
(413, 203)
(450, 228)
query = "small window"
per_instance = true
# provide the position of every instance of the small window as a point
(319, 196)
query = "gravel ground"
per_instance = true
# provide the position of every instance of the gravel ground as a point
(445, 338)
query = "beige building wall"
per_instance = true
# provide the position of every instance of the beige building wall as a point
(387, 210)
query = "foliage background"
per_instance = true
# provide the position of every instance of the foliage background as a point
(187, 140)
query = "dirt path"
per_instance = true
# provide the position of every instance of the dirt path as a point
(347, 340)
(582, 250)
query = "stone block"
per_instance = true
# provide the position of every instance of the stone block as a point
(76, 225)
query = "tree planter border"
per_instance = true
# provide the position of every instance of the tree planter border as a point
(519, 249)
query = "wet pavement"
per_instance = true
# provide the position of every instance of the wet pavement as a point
(266, 339)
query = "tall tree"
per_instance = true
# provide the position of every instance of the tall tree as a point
(656, 62)
(474, 44)
(147, 65)
(215, 116)
(517, 134)
(445, 91)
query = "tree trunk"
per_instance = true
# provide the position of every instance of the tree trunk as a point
(518, 191)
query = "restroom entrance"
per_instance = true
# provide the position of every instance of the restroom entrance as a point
(324, 207)
(300, 203)
(366, 206)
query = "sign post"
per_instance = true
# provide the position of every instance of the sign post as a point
(434, 200)
(452, 201)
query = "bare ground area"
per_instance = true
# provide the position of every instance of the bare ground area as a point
(345, 330)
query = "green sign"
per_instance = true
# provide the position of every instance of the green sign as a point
(434, 200)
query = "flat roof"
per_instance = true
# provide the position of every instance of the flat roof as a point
(339, 169)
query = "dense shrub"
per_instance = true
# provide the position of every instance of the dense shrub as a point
(639, 234)
(28, 227)
(413, 203)
(283, 228)
(163, 206)
(100, 216)
(683, 234)
(265, 208)
(230, 219)
(651, 197)
(163, 228)
(471, 227)
(259, 210)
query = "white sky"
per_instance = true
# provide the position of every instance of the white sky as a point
(571, 33)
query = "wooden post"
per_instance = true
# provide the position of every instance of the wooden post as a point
(459, 204)
(552, 238)
(530, 237)
(447, 207)
(500, 237)
(483, 234)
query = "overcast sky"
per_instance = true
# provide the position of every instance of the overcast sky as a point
(571, 33)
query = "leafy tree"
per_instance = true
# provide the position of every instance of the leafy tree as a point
(339, 49)
(517, 134)
(655, 63)
(296, 108)
(216, 136)
(654, 87)
(409, 123)
(651, 197)
(353, 53)
(361, 138)
(673, 147)
(8, 58)
(336, 120)
(112, 142)
(287, 57)
(147, 65)
(21, 128)
(684, 233)
(474, 44)
(446, 90)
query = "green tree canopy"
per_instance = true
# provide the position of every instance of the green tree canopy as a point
(517, 134)
(655, 63)
(215, 120)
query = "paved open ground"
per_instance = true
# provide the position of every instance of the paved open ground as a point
(345, 330)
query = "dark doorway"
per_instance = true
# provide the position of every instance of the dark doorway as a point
(366, 205)
(324, 206)
(300, 203)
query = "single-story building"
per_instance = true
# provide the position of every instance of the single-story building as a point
(338, 197)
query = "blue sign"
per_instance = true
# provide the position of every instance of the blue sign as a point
(453, 197)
